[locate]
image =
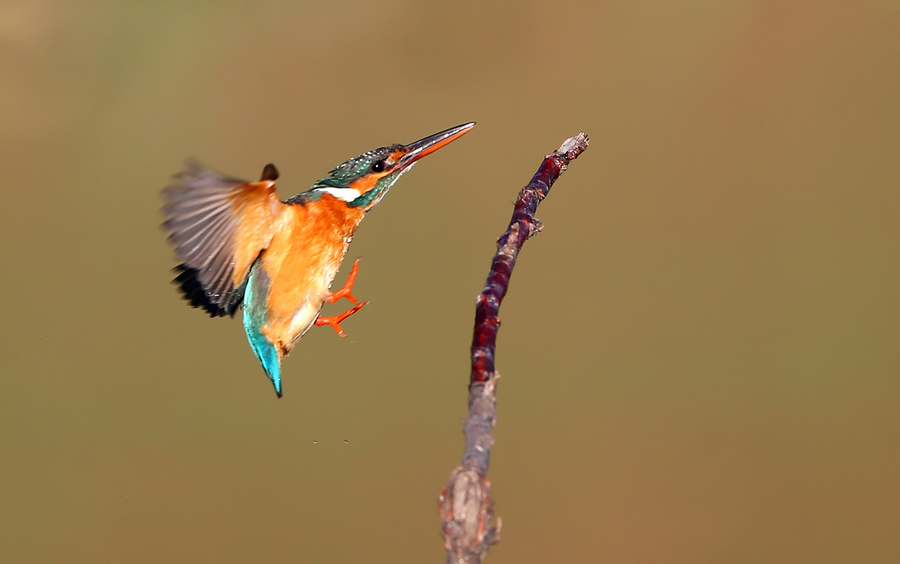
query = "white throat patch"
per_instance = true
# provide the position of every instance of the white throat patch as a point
(345, 194)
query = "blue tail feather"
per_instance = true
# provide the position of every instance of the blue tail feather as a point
(255, 298)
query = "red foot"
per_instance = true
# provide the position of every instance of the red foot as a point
(344, 292)
(335, 320)
(348, 287)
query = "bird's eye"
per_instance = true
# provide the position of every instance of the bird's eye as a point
(378, 166)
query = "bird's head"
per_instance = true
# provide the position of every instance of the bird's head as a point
(362, 181)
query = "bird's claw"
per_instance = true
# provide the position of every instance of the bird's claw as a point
(344, 292)
(335, 320)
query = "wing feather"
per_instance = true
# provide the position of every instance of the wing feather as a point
(218, 225)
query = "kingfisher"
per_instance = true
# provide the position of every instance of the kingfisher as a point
(241, 246)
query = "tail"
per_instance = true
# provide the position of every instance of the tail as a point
(254, 318)
(267, 355)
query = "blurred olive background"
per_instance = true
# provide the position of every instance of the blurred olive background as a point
(699, 354)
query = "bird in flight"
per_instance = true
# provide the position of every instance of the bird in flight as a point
(241, 246)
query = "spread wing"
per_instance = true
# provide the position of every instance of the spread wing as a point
(219, 226)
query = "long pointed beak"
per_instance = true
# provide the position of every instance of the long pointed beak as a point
(430, 144)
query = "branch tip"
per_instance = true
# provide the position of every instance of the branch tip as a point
(573, 146)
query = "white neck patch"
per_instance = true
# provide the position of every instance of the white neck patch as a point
(345, 194)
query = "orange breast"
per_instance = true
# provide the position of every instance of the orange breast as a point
(302, 261)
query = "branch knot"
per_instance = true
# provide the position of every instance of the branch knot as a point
(467, 511)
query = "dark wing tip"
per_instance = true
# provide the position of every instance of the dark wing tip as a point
(269, 173)
(197, 296)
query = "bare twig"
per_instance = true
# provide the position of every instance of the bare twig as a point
(465, 506)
